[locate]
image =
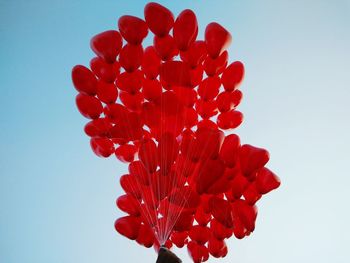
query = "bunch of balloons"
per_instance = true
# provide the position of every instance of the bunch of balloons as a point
(163, 110)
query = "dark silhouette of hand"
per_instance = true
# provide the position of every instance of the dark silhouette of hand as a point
(166, 256)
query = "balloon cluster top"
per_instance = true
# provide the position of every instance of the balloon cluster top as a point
(163, 109)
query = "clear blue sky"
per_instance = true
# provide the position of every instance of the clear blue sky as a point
(57, 198)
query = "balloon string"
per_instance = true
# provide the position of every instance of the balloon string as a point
(136, 184)
(173, 179)
(151, 195)
(195, 149)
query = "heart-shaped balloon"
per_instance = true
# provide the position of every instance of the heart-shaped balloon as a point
(107, 45)
(217, 39)
(185, 29)
(159, 19)
(132, 29)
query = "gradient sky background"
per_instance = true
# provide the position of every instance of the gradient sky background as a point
(57, 200)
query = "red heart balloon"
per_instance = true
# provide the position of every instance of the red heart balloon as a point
(175, 73)
(246, 214)
(230, 149)
(266, 181)
(159, 19)
(217, 248)
(228, 100)
(217, 39)
(107, 45)
(130, 57)
(209, 88)
(198, 253)
(89, 106)
(98, 127)
(150, 63)
(84, 80)
(128, 226)
(103, 70)
(233, 76)
(129, 204)
(230, 120)
(132, 101)
(102, 147)
(126, 153)
(196, 54)
(133, 29)
(252, 158)
(165, 47)
(146, 236)
(152, 89)
(215, 66)
(185, 29)
(200, 234)
(179, 238)
(107, 92)
(130, 82)
(222, 211)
